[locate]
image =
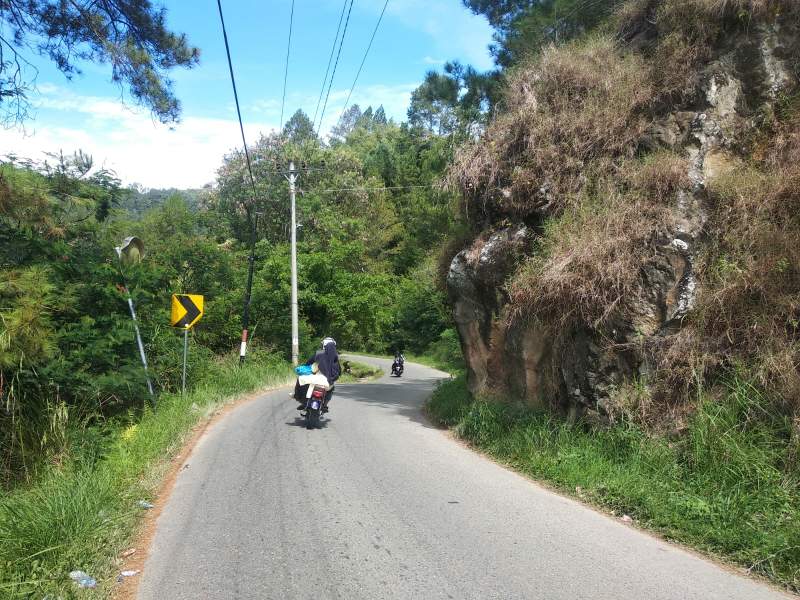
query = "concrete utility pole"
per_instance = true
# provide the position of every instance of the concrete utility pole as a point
(295, 329)
(253, 220)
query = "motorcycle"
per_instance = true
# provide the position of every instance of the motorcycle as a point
(397, 367)
(315, 405)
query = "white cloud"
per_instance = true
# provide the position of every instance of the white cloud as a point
(454, 27)
(428, 60)
(128, 140)
(141, 150)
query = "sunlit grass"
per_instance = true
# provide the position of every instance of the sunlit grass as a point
(82, 514)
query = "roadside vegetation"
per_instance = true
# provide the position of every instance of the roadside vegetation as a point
(358, 372)
(81, 512)
(722, 486)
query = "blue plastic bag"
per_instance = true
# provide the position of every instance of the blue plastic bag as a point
(303, 370)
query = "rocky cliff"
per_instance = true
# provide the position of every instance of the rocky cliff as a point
(605, 204)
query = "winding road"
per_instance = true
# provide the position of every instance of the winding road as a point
(380, 504)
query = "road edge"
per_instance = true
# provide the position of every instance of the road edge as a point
(142, 540)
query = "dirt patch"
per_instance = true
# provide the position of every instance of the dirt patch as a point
(135, 561)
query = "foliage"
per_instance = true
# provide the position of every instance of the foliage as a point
(725, 487)
(132, 36)
(454, 102)
(523, 28)
(82, 512)
(66, 338)
(358, 372)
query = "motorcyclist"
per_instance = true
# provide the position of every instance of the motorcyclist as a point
(399, 359)
(327, 359)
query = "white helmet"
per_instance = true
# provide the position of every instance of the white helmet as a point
(328, 340)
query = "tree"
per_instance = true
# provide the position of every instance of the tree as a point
(132, 35)
(523, 27)
(453, 101)
(299, 128)
(380, 116)
(347, 122)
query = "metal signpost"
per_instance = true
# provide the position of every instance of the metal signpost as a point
(187, 310)
(131, 251)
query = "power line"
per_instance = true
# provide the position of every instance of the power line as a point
(335, 64)
(330, 60)
(370, 189)
(369, 47)
(286, 72)
(236, 98)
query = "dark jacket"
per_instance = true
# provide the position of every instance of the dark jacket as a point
(328, 362)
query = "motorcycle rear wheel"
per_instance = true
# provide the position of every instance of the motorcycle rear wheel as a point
(312, 418)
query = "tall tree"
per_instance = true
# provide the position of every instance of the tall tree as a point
(131, 35)
(454, 101)
(347, 122)
(299, 128)
(523, 27)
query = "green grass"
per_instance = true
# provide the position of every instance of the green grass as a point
(358, 372)
(727, 487)
(81, 515)
(442, 363)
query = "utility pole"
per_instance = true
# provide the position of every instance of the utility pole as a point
(246, 310)
(295, 328)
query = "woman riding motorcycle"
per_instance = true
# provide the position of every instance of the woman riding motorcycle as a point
(327, 361)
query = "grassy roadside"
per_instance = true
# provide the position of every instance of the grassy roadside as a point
(359, 372)
(724, 487)
(82, 514)
(442, 363)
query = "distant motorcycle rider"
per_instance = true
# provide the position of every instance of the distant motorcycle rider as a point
(399, 360)
(327, 360)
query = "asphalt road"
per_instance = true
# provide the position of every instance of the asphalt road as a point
(380, 504)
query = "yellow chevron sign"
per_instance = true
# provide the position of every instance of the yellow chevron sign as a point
(187, 310)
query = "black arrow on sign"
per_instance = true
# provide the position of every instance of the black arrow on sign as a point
(192, 312)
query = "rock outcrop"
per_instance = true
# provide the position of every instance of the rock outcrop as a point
(578, 369)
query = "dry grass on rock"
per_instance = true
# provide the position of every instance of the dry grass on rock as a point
(588, 267)
(567, 117)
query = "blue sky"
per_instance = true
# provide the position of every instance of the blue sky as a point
(87, 112)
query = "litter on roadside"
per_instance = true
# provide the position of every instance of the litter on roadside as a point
(83, 580)
(129, 552)
(145, 504)
(122, 576)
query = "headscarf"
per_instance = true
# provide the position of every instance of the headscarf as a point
(327, 360)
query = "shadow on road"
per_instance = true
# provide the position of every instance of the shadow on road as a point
(404, 397)
(301, 422)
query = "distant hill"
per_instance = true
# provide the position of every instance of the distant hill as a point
(140, 200)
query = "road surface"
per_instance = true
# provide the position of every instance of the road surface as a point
(380, 504)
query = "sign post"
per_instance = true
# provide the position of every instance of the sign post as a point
(187, 310)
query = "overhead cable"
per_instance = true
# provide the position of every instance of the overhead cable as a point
(286, 71)
(335, 64)
(370, 189)
(236, 98)
(369, 47)
(330, 60)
